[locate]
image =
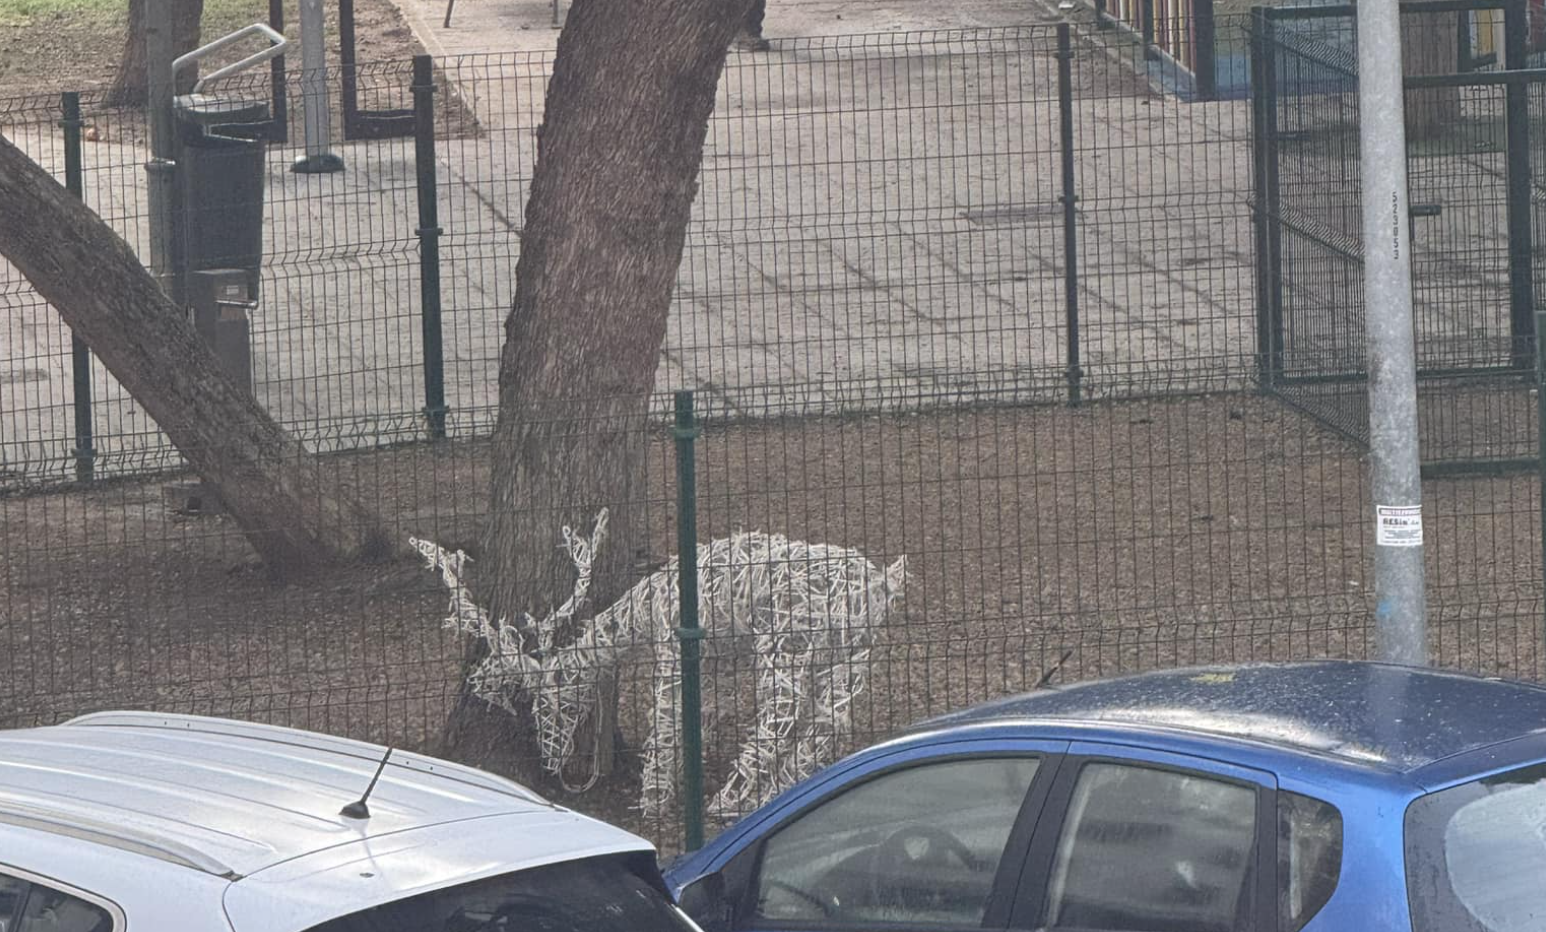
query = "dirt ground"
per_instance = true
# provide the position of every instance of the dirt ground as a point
(1128, 536)
(48, 46)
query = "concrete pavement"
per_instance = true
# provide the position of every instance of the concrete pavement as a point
(879, 226)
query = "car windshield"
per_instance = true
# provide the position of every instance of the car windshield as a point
(593, 895)
(1476, 855)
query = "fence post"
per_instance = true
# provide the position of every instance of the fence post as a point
(1074, 374)
(348, 70)
(279, 118)
(1259, 197)
(1269, 269)
(429, 244)
(1463, 60)
(1204, 60)
(1540, 450)
(161, 169)
(686, 431)
(80, 357)
(1146, 27)
(1521, 297)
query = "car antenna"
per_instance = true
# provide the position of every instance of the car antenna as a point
(1050, 672)
(358, 809)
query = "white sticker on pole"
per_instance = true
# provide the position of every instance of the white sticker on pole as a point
(1398, 525)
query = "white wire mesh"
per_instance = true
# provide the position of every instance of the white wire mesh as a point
(811, 611)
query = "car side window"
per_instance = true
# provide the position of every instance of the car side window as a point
(1309, 858)
(13, 893)
(33, 907)
(612, 893)
(1150, 850)
(920, 846)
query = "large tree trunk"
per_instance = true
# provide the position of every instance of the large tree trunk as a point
(292, 510)
(1429, 46)
(618, 155)
(131, 84)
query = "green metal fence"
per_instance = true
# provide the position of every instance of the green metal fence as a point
(909, 254)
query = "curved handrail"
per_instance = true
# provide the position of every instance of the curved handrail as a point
(279, 44)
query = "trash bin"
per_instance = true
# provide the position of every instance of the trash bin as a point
(221, 310)
(218, 193)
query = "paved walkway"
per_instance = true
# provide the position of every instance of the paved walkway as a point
(499, 26)
(879, 225)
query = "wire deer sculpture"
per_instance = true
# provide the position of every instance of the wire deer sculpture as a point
(810, 612)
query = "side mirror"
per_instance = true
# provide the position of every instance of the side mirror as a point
(704, 901)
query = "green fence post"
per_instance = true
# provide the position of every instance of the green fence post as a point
(429, 245)
(1205, 69)
(1146, 27)
(686, 431)
(1519, 212)
(1260, 218)
(85, 452)
(1540, 450)
(1070, 197)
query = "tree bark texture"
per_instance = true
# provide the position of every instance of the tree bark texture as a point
(131, 83)
(618, 156)
(294, 511)
(1429, 45)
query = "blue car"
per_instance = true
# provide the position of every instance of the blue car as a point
(1341, 796)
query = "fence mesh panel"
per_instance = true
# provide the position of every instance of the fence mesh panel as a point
(874, 313)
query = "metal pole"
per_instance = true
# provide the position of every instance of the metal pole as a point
(1540, 444)
(1395, 477)
(1271, 277)
(80, 357)
(159, 53)
(686, 431)
(1065, 56)
(279, 126)
(1463, 58)
(1146, 27)
(1204, 51)
(1259, 196)
(163, 144)
(1519, 212)
(349, 76)
(318, 115)
(429, 244)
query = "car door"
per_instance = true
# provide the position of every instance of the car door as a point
(1138, 840)
(932, 839)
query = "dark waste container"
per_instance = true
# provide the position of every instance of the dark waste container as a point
(218, 193)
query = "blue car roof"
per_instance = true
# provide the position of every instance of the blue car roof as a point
(1378, 715)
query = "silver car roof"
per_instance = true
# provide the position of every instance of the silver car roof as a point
(226, 798)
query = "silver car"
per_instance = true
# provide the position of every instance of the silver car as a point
(174, 823)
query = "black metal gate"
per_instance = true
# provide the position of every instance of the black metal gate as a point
(1469, 160)
(392, 115)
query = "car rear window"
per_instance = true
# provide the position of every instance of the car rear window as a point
(1476, 855)
(1309, 858)
(31, 907)
(593, 895)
